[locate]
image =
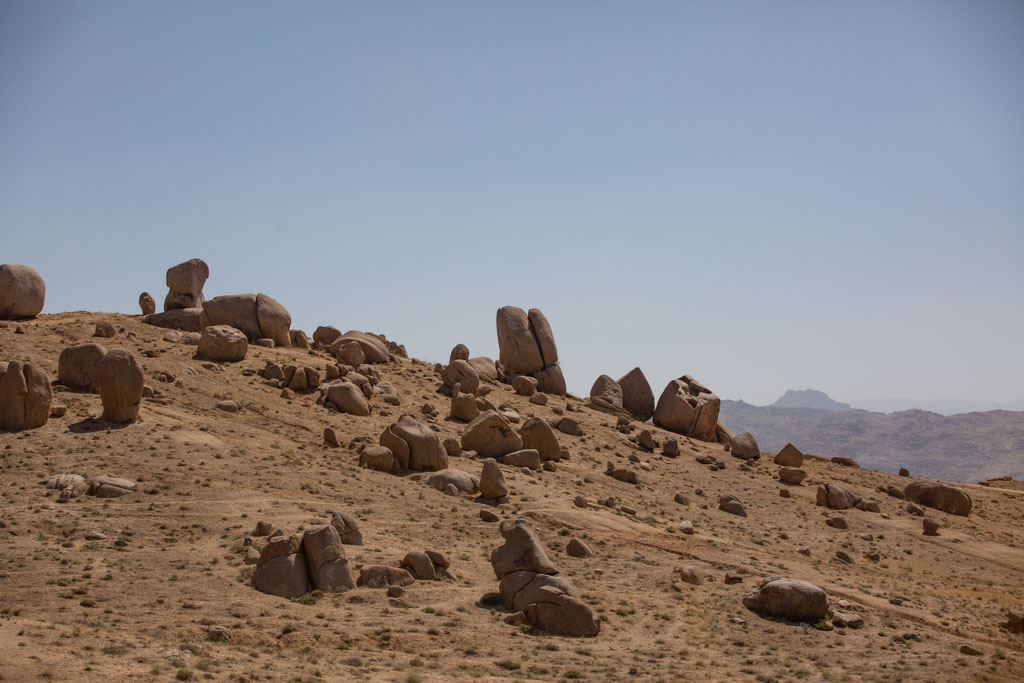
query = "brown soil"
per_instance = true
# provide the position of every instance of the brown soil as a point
(73, 609)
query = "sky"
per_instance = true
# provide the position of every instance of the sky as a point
(767, 196)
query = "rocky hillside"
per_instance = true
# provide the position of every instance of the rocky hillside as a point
(143, 566)
(964, 447)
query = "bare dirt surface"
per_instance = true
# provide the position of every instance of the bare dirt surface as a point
(138, 603)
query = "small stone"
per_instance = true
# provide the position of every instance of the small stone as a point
(692, 575)
(844, 556)
(95, 536)
(219, 634)
(837, 523)
(488, 516)
(931, 526)
(395, 591)
(733, 577)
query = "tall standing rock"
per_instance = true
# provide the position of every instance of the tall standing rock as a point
(637, 397)
(185, 282)
(526, 346)
(24, 396)
(147, 304)
(120, 381)
(22, 292)
(688, 407)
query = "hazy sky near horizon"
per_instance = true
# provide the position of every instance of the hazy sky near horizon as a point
(764, 195)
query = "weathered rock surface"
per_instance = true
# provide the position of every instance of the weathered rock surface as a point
(414, 445)
(788, 599)
(76, 366)
(537, 434)
(744, 446)
(526, 346)
(22, 292)
(943, 497)
(606, 396)
(688, 407)
(637, 396)
(257, 316)
(185, 282)
(491, 436)
(120, 381)
(836, 497)
(147, 304)
(222, 343)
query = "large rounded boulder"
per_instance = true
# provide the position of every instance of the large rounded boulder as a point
(637, 396)
(491, 436)
(788, 599)
(22, 292)
(120, 381)
(414, 445)
(257, 316)
(76, 366)
(185, 284)
(222, 343)
(688, 407)
(24, 396)
(943, 497)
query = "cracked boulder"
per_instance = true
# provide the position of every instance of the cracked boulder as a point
(689, 408)
(491, 436)
(414, 445)
(526, 346)
(257, 316)
(25, 396)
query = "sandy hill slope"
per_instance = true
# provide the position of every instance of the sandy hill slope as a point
(137, 600)
(964, 447)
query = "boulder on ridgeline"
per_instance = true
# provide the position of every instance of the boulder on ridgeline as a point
(459, 352)
(526, 346)
(689, 408)
(120, 381)
(22, 292)
(257, 316)
(375, 349)
(943, 497)
(185, 284)
(788, 599)
(637, 396)
(24, 396)
(606, 396)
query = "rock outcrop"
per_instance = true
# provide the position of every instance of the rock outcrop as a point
(185, 284)
(22, 292)
(257, 316)
(24, 396)
(606, 396)
(637, 396)
(943, 497)
(76, 366)
(530, 585)
(688, 407)
(526, 346)
(120, 380)
(788, 599)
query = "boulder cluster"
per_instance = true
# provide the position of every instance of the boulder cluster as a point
(405, 445)
(629, 397)
(71, 486)
(292, 565)
(526, 346)
(531, 588)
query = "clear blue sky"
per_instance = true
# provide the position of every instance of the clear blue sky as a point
(766, 195)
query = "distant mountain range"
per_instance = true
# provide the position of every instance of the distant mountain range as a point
(811, 398)
(972, 446)
(942, 406)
